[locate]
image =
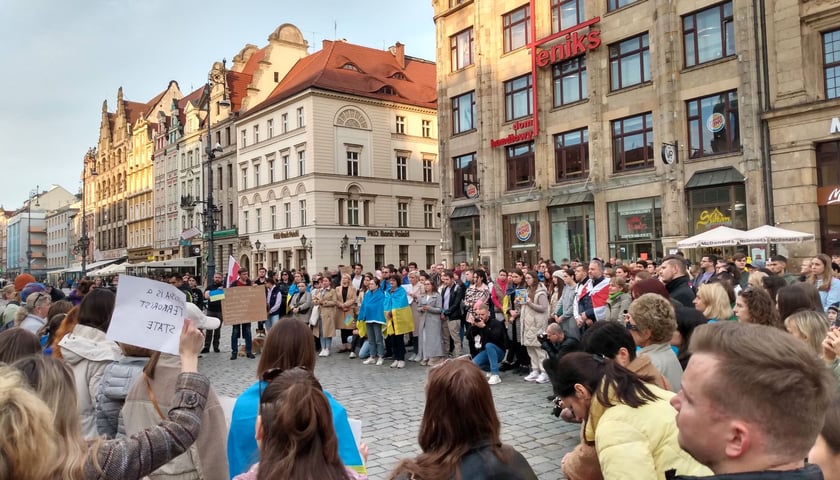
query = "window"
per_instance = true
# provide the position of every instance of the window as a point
(353, 212)
(302, 211)
(616, 4)
(402, 167)
(427, 170)
(520, 165)
(230, 213)
(428, 216)
(285, 166)
(570, 81)
(270, 127)
(257, 175)
(271, 171)
(516, 26)
(287, 215)
(300, 122)
(378, 256)
(565, 14)
(403, 254)
(301, 162)
(831, 52)
(571, 155)
(245, 218)
(464, 174)
(284, 122)
(400, 124)
(402, 214)
(353, 164)
(713, 124)
(242, 141)
(219, 178)
(629, 62)
(259, 219)
(463, 113)
(633, 142)
(461, 46)
(256, 134)
(426, 128)
(518, 97)
(273, 212)
(244, 178)
(230, 175)
(709, 34)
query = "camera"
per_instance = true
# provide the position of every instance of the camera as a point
(558, 407)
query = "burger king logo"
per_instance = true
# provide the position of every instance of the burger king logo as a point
(715, 122)
(523, 230)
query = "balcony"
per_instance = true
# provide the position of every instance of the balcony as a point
(188, 202)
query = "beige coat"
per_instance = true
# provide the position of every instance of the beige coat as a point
(349, 304)
(327, 300)
(533, 318)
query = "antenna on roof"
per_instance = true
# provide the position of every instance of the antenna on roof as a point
(335, 29)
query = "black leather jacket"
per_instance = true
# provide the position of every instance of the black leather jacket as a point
(808, 472)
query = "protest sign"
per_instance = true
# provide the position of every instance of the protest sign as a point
(148, 314)
(244, 305)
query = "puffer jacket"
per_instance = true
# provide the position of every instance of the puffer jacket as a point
(87, 352)
(117, 379)
(534, 318)
(641, 442)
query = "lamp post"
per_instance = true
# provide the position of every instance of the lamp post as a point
(32, 194)
(84, 240)
(215, 77)
(307, 245)
(343, 246)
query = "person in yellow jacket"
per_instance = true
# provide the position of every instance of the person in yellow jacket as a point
(630, 422)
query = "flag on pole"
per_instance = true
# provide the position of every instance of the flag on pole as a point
(233, 271)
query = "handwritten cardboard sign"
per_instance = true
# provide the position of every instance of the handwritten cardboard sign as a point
(148, 314)
(243, 305)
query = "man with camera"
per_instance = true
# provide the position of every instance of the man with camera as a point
(488, 336)
(556, 343)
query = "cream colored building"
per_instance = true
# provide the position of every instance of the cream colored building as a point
(554, 115)
(62, 236)
(339, 164)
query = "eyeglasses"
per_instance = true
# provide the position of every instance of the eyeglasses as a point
(37, 297)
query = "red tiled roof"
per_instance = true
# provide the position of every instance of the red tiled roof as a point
(237, 85)
(134, 109)
(253, 61)
(324, 70)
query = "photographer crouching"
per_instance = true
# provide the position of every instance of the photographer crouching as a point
(488, 336)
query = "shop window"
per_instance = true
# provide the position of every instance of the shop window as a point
(518, 97)
(463, 113)
(635, 228)
(378, 256)
(565, 14)
(709, 34)
(571, 155)
(520, 165)
(633, 143)
(713, 124)
(461, 46)
(573, 231)
(629, 62)
(464, 173)
(831, 52)
(516, 28)
(569, 81)
(712, 207)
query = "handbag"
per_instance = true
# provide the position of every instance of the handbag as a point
(315, 316)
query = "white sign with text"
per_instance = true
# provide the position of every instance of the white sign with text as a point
(148, 314)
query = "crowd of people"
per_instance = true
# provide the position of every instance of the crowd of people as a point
(714, 370)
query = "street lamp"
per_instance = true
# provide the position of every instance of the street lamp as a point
(84, 240)
(32, 194)
(215, 77)
(343, 246)
(259, 247)
(306, 245)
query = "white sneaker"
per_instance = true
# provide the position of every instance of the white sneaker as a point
(494, 380)
(323, 353)
(326, 352)
(395, 363)
(532, 377)
(369, 361)
(352, 354)
(379, 362)
(543, 378)
(401, 364)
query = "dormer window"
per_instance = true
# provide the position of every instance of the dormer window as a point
(399, 76)
(350, 66)
(387, 90)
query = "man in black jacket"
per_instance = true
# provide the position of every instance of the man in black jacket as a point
(452, 314)
(488, 336)
(673, 274)
(214, 309)
(556, 343)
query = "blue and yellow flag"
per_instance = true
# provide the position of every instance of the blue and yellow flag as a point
(402, 320)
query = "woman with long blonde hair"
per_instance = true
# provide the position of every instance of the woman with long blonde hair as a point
(713, 301)
(821, 277)
(810, 327)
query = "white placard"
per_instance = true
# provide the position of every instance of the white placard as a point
(356, 428)
(148, 314)
(409, 289)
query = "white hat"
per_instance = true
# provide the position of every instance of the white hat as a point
(201, 320)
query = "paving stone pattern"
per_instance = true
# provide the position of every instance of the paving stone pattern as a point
(390, 404)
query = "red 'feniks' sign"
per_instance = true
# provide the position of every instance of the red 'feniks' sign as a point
(575, 44)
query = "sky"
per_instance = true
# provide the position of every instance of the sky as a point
(63, 58)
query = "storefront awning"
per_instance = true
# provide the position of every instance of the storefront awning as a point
(571, 199)
(719, 176)
(467, 211)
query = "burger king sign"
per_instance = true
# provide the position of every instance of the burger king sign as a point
(523, 230)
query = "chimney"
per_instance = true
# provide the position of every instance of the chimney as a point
(399, 53)
(326, 43)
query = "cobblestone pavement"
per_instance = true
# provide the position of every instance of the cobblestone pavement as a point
(390, 404)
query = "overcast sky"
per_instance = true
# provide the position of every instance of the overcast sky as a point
(62, 58)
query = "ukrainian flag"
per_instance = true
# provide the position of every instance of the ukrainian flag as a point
(402, 320)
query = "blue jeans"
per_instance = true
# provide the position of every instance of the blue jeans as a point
(272, 319)
(245, 330)
(489, 358)
(376, 339)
